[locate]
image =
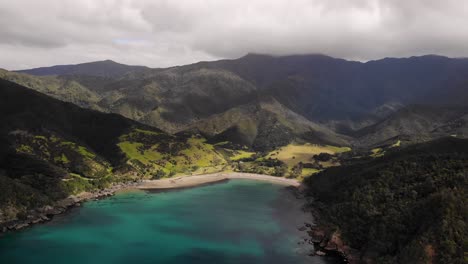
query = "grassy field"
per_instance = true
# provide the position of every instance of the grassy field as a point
(292, 154)
(397, 144)
(170, 156)
(377, 152)
(306, 172)
(136, 150)
(293, 160)
(241, 154)
(157, 157)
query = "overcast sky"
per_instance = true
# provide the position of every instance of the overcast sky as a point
(160, 33)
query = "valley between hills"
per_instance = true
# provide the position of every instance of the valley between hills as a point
(380, 148)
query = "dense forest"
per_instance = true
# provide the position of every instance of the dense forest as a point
(409, 206)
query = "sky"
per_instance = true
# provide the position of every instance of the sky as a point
(162, 33)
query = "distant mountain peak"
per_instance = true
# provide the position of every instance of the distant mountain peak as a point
(264, 55)
(106, 61)
(255, 54)
(105, 68)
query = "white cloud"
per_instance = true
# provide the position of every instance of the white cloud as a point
(162, 33)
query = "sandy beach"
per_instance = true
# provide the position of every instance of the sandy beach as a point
(195, 180)
(44, 214)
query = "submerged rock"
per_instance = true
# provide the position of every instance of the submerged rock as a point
(320, 253)
(20, 226)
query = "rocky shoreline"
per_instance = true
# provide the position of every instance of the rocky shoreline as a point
(326, 242)
(46, 213)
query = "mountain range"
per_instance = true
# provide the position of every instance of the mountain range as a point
(315, 98)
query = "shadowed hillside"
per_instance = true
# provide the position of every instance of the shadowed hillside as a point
(265, 125)
(415, 123)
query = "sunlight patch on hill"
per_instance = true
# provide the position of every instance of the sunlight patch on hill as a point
(292, 154)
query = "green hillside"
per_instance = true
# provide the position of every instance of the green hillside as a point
(408, 206)
(62, 88)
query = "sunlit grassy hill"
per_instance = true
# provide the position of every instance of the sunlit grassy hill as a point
(295, 160)
(157, 155)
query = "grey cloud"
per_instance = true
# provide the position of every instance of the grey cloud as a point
(171, 32)
(166, 17)
(26, 35)
(30, 39)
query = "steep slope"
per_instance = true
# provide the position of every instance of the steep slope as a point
(176, 98)
(457, 127)
(105, 68)
(62, 88)
(170, 99)
(415, 123)
(325, 88)
(409, 206)
(24, 109)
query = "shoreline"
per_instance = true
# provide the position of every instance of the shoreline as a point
(198, 180)
(46, 213)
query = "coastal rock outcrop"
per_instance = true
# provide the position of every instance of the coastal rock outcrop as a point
(329, 242)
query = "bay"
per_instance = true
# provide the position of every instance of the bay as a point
(240, 221)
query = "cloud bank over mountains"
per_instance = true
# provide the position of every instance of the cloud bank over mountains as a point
(161, 33)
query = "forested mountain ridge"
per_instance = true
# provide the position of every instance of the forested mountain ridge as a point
(107, 68)
(177, 101)
(416, 123)
(335, 94)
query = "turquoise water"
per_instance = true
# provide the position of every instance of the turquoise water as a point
(240, 221)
